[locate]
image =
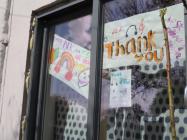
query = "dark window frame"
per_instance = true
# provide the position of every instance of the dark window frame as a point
(36, 97)
(46, 17)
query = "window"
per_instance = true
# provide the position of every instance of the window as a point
(99, 71)
(68, 80)
(134, 101)
(58, 107)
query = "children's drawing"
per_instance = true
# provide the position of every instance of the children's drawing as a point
(141, 26)
(83, 78)
(53, 55)
(142, 40)
(175, 28)
(66, 57)
(70, 64)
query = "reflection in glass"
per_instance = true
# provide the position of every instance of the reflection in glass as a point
(117, 9)
(66, 106)
(148, 116)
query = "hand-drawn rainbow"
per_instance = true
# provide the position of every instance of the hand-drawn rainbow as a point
(66, 56)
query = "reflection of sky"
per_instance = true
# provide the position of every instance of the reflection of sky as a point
(78, 32)
(62, 29)
(118, 9)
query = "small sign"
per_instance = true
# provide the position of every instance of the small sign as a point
(120, 89)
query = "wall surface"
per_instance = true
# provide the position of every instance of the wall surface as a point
(15, 61)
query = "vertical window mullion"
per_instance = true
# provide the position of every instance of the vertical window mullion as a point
(41, 92)
(95, 73)
(185, 20)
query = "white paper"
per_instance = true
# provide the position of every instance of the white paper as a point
(142, 27)
(70, 64)
(120, 89)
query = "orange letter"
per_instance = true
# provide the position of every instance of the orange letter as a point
(132, 45)
(145, 43)
(119, 49)
(109, 49)
(139, 44)
(151, 41)
(158, 60)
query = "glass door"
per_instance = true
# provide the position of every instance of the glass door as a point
(144, 61)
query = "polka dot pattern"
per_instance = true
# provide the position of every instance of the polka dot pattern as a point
(129, 123)
(136, 124)
(154, 67)
(71, 121)
(162, 124)
(126, 125)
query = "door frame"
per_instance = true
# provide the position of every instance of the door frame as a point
(44, 18)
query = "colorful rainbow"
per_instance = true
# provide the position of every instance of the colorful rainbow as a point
(66, 56)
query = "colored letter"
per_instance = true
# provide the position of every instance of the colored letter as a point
(119, 49)
(158, 60)
(149, 56)
(151, 41)
(109, 49)
(132, 45)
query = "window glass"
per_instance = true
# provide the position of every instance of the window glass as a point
(68, 81)
(134, 100)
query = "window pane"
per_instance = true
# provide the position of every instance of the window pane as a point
(68, 81)
(134, 101)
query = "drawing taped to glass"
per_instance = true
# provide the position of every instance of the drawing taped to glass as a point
(70, 64)
(120, 89)
(139, 40)
(136, 42)
(67, 82)
(145, 55)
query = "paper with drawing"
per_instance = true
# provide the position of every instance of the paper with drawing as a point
(70, 63)
(139, 40)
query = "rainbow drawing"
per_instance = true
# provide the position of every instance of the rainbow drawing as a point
(66, 57)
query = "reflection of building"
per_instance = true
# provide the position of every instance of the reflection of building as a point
(52, 109)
